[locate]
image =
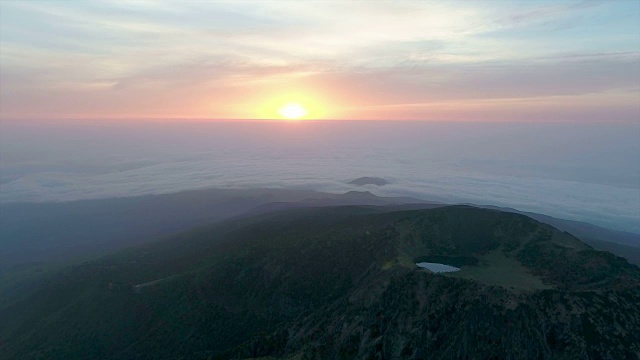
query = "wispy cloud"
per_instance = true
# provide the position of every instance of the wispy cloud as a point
(199, 58)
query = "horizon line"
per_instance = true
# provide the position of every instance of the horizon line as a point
(295, 121)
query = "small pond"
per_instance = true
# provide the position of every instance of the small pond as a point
(437, 268)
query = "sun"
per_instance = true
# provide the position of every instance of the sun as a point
(292, 111)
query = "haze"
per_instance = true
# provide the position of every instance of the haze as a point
(587, 173)
(533, 105)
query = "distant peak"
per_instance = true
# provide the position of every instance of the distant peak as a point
(359, 194)
(369, 180)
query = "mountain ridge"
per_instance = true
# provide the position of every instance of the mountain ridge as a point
(341, 282)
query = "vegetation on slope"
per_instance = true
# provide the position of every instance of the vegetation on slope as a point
(340, 283)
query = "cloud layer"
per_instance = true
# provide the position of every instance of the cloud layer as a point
(588, 173)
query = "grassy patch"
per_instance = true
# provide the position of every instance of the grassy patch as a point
(495, 268)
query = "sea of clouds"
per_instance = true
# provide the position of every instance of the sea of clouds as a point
(589, 172)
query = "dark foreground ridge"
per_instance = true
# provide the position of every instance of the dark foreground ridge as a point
(340, 283)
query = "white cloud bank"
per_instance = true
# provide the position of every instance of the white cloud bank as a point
(556, 169)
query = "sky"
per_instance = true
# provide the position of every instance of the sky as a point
(528, 61)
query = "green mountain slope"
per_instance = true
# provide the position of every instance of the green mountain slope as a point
(340, 283)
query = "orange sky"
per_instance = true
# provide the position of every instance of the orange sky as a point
(493, 61)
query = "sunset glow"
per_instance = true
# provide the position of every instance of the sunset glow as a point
(444, 61)
(293, 111)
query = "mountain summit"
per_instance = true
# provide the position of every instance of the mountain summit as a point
(341, 283)
(369, 180)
